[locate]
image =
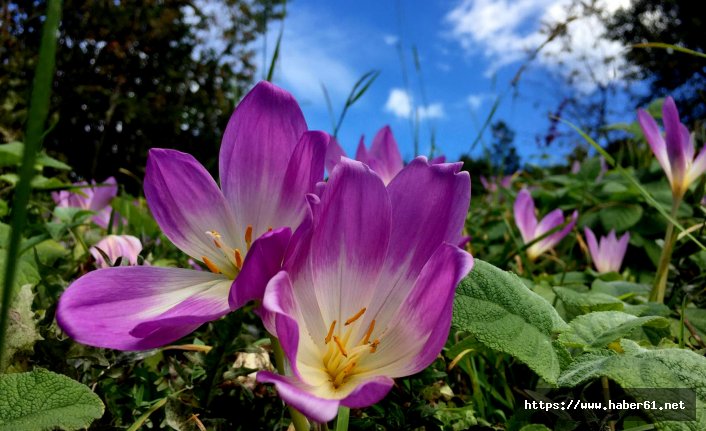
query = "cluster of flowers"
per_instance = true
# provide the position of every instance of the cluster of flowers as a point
(355, 276)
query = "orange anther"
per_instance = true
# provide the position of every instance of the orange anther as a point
(211, 266)
(369, 333)
(374, 345)
(330, 332)
(238, 259)
(248, 235)
(355, 317)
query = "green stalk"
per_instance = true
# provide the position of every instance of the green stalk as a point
(660, 286)
(342, 421)
(37, 115)
(298, 420)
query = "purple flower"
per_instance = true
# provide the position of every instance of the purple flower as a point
(366, 292)
(93, 197)
(268, 163)
(675, 153)
(114, 246)
(383, 157)
(530, 230)
(494, 183)
(607, 254)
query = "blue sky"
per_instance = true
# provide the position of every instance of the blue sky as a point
(469, 51)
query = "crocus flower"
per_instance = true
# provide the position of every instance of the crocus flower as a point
(366, 291)
(114, 246)
(93, 197)
(530, 230)
(268, 163)
(383, 157)
(675, 153)
(607, 254)
(494, 183)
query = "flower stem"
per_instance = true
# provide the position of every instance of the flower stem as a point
(298, 420)
(660, 286)
(342, 420)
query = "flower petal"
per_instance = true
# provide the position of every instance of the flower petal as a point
(677, 146)
(186, 203)
(334, 152)
(114, 246)
(305, 170)
(592, 244)
(386, 155)
(419, 194)
(525, 217)
(140, 307)
(698, 167)
(350, 239)
(369, 392)
(255, 151)
(421, 325)
(438, 160)
(654, 138)
(361, 153)
(299, 396)
(103, 193)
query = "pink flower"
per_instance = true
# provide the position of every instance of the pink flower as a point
(114, 246)
(531, 231)
(607, 254)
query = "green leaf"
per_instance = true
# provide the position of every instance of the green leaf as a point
(577, 303)
(643, 368)
(503, 314)
(43, 400)
(596, 330)
(620, 217)
(535, 427)
(697, 317)
(620, 288)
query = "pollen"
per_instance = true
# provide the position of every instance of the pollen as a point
(248, 235)
(374, 345)
(369, 333)
(340, 346)
(238, 259)
(355, 317)
(211, 266)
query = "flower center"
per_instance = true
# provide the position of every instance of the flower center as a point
(343, 355)
(233, 262)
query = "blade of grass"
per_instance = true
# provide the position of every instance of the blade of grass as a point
(359, 88)
(670, 46)
(275, 55)
(648, 197)
(36, 118)
(488, 119)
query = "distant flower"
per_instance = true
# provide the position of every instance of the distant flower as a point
(93, 197)
(268, 163)
(383, 157)
(607, 254)
(530, 230)
(575, 167)
(675, 153)
(114, 246)
(367, 294)
(495, 183)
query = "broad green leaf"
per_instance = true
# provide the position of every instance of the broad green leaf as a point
(620, 217)
(620, 289)
(577, 303)
(42, 400)
(535, 427)
(596, 330)
(502, 313)
(643, 368)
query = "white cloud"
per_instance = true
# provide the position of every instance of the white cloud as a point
(401, 104)
(391, 39)
(506, 31)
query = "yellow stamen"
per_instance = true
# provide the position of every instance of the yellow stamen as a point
(216, 243)
(330, 332)
(343, 374)
(355, 317)
(238, 259)
(340, 346)
(211, 266)
(369, 333)
(248, 235)
(374, 345)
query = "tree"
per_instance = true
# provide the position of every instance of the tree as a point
(503, 154)
(132, 75)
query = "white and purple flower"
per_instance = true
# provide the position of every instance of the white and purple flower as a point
(93, 197)
(127, 247)
(532, 231)
(608, 253)
(268, 163)
(367, 286)
(675, 152)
